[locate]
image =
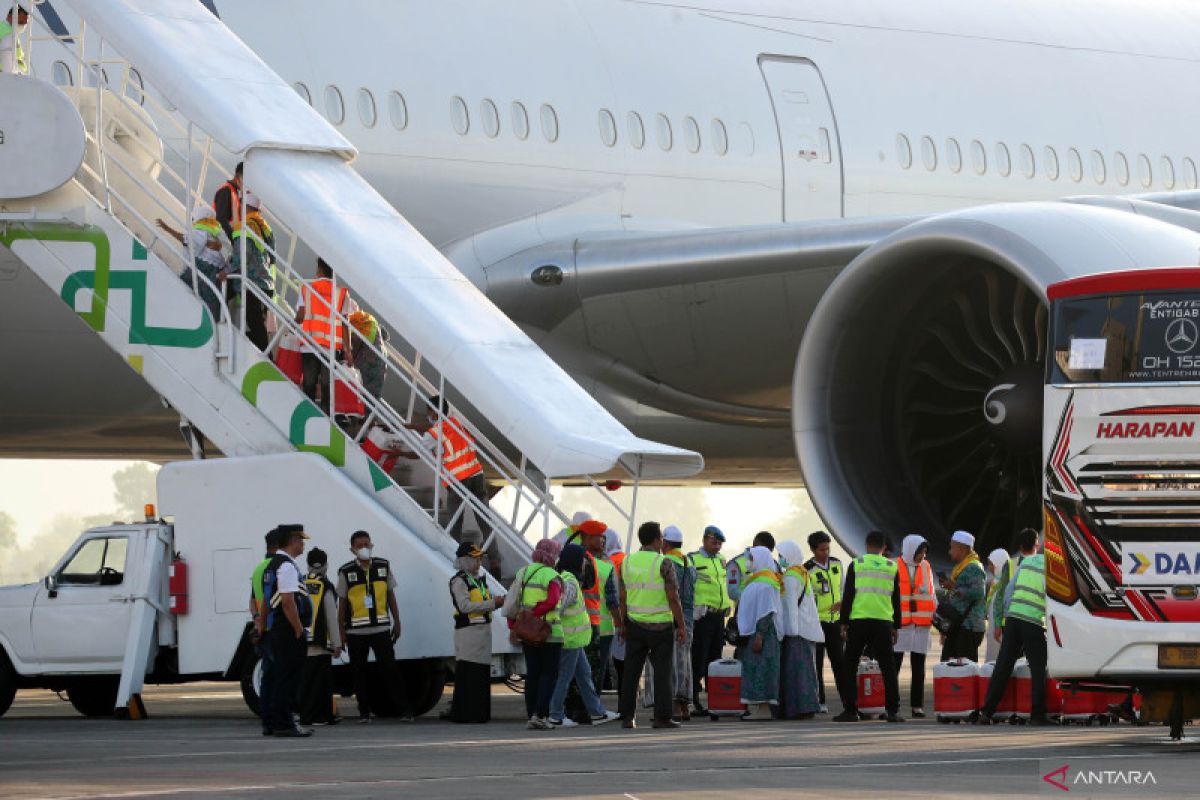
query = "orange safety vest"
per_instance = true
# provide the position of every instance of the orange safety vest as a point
(918, 603)
(235, 200)
(317, 315)
(458, 450)
(591, 594)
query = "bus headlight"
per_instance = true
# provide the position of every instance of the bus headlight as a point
(1060, 584)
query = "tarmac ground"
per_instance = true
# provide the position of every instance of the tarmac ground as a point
(200, 741)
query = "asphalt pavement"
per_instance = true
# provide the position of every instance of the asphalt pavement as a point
(201, 742)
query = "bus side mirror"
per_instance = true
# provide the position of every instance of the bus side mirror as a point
(51, 586)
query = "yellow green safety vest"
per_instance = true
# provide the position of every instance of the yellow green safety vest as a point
(19, 59)
(576, 627)
(254, 240)
(874, 583)
(711, 590)
(826, 585)
(604, 569)
(477, 592)
(1028, 601)
(535, 587)
(367, 593)
(645, 589)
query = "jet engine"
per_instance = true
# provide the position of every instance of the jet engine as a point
(917, 395)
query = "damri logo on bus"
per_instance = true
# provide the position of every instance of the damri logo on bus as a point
(1160, 563)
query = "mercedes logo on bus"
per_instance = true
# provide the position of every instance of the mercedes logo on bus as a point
(1182, 335)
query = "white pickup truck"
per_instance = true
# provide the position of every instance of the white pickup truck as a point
(109, 617)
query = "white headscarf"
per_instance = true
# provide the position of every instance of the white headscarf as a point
(909, 547)
(759, 599)
(202, 210)
(790, 554)
(998, 558)
(612, 542)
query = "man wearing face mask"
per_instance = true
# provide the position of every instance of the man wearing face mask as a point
(370, 623)
(12, 57)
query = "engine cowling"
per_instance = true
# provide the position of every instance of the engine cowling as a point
(917, 397)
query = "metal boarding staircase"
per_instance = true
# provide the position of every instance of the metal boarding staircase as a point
(94, 242)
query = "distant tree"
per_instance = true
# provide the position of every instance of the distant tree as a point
(8, 531)
(133, 487)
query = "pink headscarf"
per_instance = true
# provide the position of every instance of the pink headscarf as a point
(546, 552)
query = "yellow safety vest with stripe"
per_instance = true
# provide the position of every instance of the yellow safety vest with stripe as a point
(711, 590)
(317, 588)
(874, 582)
(367, 593)
(1028, 601)
(826, 585)
(576, 627)
(19, 52)
(477, 592)
(603, 617)
(535, 587)
(645, 589)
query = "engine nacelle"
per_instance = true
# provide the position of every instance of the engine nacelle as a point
(917, 398)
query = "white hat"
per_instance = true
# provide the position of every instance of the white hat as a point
(962, 537)
(579, 517)
(673, 535)
(202, 210)
(252, 200)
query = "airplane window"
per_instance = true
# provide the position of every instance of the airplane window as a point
(903, 151)
(1168, 172)
(520, 121)
(460, 118)
(1050, 156)
(302, 90)
(1028, 164)
(637, 132)
(1075, 165)
(61, 74)
(608, 128)
(746, 137)
(1145, 174)
(1099, 173)
(549, 123)
(928, 153)
(1121, 167)
(953, 156)
(826, 146)
(662, 129)
(366, 108)
(491, 118)
(978, 157)
(135, 88)
(1189, 173)
(720, 137)
(335, 109)
(398, 110)
(1003, 159)
(691, 132)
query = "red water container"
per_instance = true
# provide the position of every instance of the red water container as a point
(1054, 697)
(289, 359)
(871, 695)
(345, 401)
(725, 688)
(956, 689)
(1021, 686)
(1008, 701)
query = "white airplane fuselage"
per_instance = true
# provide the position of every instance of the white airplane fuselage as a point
(496, 128)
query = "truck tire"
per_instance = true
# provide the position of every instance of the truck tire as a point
(94, 696)
(251, 679)
(425, 680)
(8, 683)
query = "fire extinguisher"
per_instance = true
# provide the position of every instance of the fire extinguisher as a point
(177, 586)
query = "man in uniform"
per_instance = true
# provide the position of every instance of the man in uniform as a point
(12, 56)
(712, 606)
(324, 638)
(370, 623)
(825, 582)
(260, 644)
(287, 612)
(739, 569)
(871, 617)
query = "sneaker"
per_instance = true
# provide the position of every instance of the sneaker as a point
(609, 716)
(918, 713)
(847, 716)
(824, 709)
(365, 719)
(532, 724)
(893, 718)
(565, 722)
(541, 724)
(408, 718)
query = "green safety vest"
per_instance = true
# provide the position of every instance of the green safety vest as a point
(711, 590)
(604, 569)
(535, 587)
(21, 63)
(1028, 601)
(826, 585)
(576, 627)
(645, 589)
(874, 583)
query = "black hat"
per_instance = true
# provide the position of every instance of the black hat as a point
(317, 557)
(469, 549)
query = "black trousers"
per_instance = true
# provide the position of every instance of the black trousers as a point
(837, 661)
(256, 321)
(961, 643)
(315, 373)
(265, 682)
(1019, 637)
(659, 647)
(476, 485)
(541, 673)
(472, 692)
(316, 690)
(287, 662)
(360, 646)
(878, 634)
(708, 639)
(916, 696)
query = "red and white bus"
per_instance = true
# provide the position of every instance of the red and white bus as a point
(1122, 485)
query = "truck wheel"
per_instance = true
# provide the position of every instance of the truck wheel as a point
(8, 683)
(94, 696)
(425, 680)
(251, 681)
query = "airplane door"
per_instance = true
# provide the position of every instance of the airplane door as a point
(808, 139)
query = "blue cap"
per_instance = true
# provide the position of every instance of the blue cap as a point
(713, 530)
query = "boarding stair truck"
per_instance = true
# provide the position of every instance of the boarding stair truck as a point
(163, 100)
(1121, 444)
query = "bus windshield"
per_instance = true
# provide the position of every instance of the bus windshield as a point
(1129, 337)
